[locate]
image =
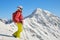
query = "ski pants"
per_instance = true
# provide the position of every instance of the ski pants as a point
(17, 34)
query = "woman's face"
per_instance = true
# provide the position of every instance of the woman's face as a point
(20, 9)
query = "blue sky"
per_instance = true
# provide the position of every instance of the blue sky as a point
(7, 7)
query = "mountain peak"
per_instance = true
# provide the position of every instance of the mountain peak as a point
(38, 10)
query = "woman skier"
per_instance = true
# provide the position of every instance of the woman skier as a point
(18, 20)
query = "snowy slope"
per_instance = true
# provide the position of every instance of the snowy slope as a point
(40, 25)
(6, 31)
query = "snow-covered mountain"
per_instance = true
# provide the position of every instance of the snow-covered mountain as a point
(6, 21)
(40, 25)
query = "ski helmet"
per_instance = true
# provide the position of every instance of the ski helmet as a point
(20, 7)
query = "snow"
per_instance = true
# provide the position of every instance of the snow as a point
(40, 25)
